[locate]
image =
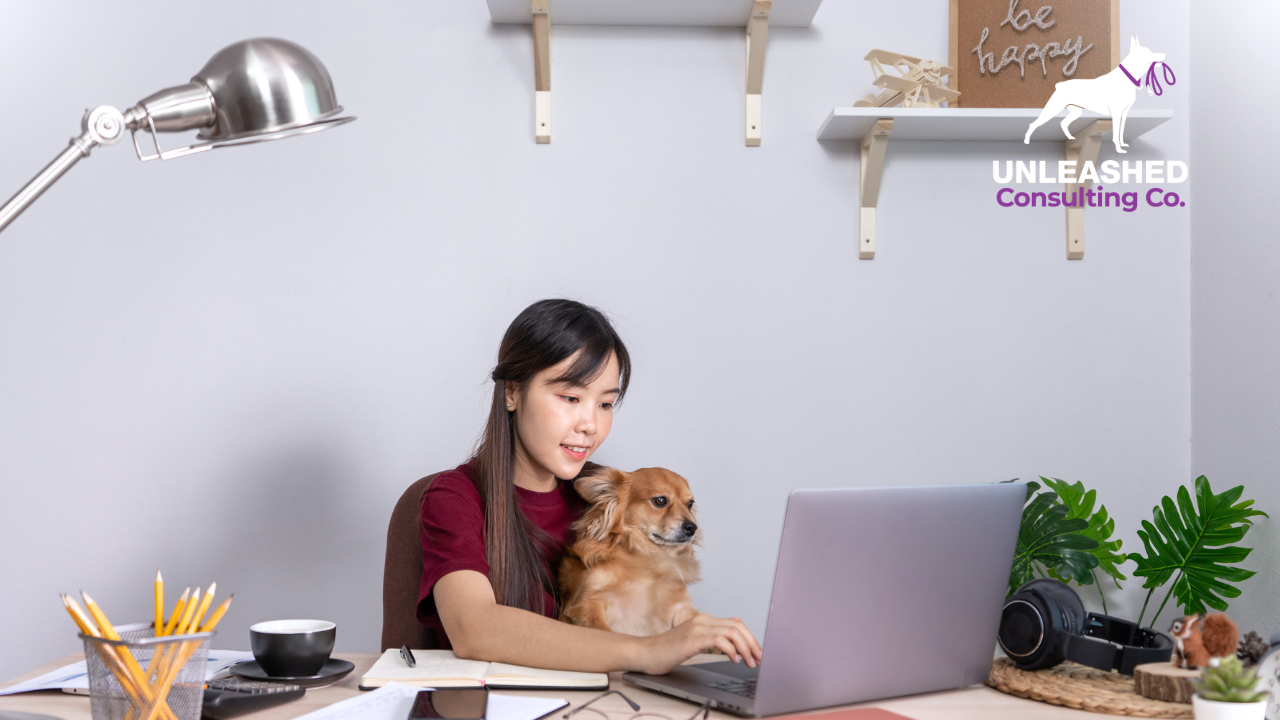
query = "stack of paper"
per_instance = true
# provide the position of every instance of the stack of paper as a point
(394, 700)
(76, 675)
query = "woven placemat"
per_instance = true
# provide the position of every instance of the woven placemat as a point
(1082, 688)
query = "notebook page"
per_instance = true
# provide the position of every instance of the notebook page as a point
(503, 674)
(389, 702)
(440, 666)
(515, 707)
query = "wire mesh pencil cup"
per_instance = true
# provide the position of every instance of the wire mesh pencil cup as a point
(143, 677)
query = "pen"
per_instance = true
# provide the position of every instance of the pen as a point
(407, 654)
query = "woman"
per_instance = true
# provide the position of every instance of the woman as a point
(494, 529)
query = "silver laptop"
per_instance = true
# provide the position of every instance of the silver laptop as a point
(878, 592)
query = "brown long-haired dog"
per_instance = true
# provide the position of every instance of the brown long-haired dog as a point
(629, 569)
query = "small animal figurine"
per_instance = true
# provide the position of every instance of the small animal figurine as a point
(1198, 638)
(1221, 636)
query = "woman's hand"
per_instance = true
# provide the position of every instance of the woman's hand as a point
(729, 635)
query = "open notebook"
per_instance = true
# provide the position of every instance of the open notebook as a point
(443, 669)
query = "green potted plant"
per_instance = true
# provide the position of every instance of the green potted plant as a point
(1227, 690)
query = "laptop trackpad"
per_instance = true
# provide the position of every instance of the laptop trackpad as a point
(738, 671)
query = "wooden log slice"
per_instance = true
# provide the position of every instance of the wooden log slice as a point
(1163, 681)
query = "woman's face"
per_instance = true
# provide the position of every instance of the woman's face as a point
(559, 426)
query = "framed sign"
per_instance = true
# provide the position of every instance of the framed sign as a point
(1010, 53)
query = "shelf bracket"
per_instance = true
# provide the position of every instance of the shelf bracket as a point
(542, 70)
(1084, 148)
(757, 37)
(874, 143)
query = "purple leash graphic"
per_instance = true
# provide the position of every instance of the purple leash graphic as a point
(1153, 81)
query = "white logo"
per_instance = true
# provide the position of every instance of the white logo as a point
(1111, 94)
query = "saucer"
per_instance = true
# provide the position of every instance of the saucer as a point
(333, 671)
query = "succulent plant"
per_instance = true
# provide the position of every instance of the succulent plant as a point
(1227, 680)
(1252, 648)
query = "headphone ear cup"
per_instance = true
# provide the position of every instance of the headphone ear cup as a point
(1073, 614)
(1027, 630)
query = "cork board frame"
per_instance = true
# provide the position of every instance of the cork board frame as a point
(1098, 21)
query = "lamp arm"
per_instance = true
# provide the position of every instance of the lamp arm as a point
(102, 126)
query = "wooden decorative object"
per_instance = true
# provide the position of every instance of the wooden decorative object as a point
(918, 83)
(1032, 46)
(1163, 681)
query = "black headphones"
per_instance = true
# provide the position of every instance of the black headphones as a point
(1044, 623)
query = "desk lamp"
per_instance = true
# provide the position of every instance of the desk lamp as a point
(251, 91)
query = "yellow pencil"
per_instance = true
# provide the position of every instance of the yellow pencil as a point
(129, 669)
(186, 614)
(112, 661)
(161, 660)
(126, 657)
(82, 620)
(168, 671)
(217, 614)
(159, 604)
(177, 612)
(204, 608)
(108, 631)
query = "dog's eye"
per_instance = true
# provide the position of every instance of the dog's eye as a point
(660, 501)
(690, 505)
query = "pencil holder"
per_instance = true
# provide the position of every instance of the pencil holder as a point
(143, 677)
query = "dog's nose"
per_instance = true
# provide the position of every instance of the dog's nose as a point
(690, 528)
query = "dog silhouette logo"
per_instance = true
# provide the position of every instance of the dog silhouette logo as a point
(1111, 94)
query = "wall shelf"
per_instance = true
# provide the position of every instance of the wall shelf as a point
(756, 16)
(668, 13)
(977, 124)
(873, 126)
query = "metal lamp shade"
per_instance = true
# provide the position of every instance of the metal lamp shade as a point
(267, 88)
(251, 91)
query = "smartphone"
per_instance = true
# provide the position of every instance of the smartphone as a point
(450, 704)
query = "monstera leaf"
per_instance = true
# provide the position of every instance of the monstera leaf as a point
(1196, 541)
(1050, 540)
(1079, 503)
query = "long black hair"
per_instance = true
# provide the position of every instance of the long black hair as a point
(544, 334)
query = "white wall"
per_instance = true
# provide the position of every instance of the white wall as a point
(1235, 325)
(229, 366)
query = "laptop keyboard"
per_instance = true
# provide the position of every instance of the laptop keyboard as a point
(745, 688)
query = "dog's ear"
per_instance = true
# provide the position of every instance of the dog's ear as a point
(602, 489)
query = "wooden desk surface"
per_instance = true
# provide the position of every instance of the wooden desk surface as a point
(978, 703)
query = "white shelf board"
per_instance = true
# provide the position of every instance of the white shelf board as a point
(851, 123)
(713, 13)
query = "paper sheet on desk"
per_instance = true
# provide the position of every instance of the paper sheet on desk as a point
(394, 700)
(76, 675)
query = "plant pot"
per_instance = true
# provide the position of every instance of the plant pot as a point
(1214, 710)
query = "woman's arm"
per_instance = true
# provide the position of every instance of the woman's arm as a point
(481, 629)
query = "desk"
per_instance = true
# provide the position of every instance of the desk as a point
(977, 703)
